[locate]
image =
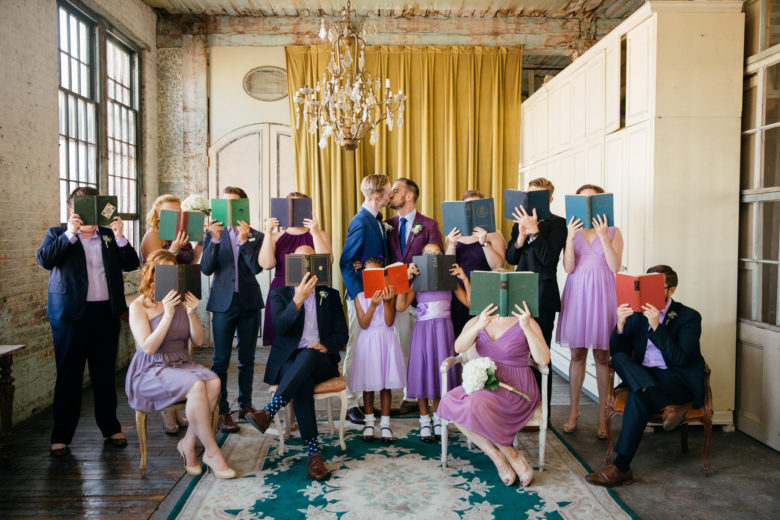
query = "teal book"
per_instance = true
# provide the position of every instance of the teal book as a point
(173, 222)
(230, 211)
(586, 207)
(504, 290)
(467, 215)
(538, 200)
(95, 210)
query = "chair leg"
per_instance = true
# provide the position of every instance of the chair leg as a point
(288, 420)
(342, 419)
(444, 435)
(610, 415)
(330, 416)
(278, 424)
(542, 445)
(684, 438)
(140, 427)
(215, 419)
(705, 451)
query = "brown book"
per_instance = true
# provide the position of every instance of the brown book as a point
(296, 266)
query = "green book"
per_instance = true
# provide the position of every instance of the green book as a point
(95, 210)
(230, 211)
(172, 222)
(504, 290)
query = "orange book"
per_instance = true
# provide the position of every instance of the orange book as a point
(377, 279)
(640, 290)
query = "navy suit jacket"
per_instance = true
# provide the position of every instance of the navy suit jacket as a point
(217, 260)
(288, 327)
(364, 238)
(429, 233)
(68, 281)
(678, 340)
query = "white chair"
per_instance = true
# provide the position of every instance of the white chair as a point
(538, 419)
(334, 387)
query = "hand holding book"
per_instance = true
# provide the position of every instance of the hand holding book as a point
(523, 315)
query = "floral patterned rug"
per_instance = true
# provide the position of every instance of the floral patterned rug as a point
(402, 480)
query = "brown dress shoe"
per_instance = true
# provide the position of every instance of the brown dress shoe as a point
(245, 410)
(317, 469)
(226, 424)
(673, 415)
(260, 419)
(610, 476)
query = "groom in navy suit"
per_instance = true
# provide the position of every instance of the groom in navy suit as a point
(86, 299)
(366, 237)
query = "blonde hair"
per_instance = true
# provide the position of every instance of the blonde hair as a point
(373, 184)
(541, 182)
(160, 256)
(153, 216)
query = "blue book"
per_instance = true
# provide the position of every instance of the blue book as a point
(467, 215)
(538, 200)
(586, 207)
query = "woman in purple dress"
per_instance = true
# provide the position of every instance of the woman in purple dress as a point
(591, 258)
(432, 342)
(490, 419)
(162, 371)
(482, 251)
(285, 242)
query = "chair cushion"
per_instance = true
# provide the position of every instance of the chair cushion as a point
(334, 384)
(694, 414)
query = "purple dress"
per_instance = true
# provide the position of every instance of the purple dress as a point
(497, 415)
(589, 299)
(378, 363)
(165, 377)
(286, 244)
(470, 257)
(433, 340)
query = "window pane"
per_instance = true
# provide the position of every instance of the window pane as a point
(771, 175)
(63, 201)
(769, 293)
(74, 74)
(748, 162)
(72, 160)
(63, 118)
(770, 230)
(63, 158)
(749, 107)
(85, 86)
(745, 291)
(63, 15)
(73, 36)
(773, 33)
(91, 123)
(746, 230)
(772, 93)
(64, 71)
(82, 120)
(83, 46)
(92, 167)
(82, 163)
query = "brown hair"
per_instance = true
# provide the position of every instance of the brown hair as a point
(153, 216)
(597, 189)
(670, 277)
(411, 186)
(80, 192)
(374, 183)
(297, 195)
(160, 256)
(232, 190)
(541, 182)
(472, 193)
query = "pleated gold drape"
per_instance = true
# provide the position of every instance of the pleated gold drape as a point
(461, 130)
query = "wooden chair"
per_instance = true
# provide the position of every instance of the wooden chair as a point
(539, 418)
(616, 404)
(334, 387)
(140, 425)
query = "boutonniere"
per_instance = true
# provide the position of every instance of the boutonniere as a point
(107, 240)
(250, 237)
(388, 228)
(323, 294)
(416, 229)
(669, 317)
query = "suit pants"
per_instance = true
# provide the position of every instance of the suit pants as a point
(225, 324)
(297, 377)
(546, 321)
(663, 387)
(404, 323)
(354, 332)
(91, 340)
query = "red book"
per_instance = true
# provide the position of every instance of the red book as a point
(377, 279)
(640, 290)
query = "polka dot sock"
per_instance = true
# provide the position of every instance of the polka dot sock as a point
(276, 404)
(312, 446)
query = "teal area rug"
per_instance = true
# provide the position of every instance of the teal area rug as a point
(402, 480)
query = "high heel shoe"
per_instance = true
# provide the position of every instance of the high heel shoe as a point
(191, 470)
(524, 477)
(570, 427)
(219, 473)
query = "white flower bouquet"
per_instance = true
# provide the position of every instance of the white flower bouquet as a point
(480, 373)
(196, 203)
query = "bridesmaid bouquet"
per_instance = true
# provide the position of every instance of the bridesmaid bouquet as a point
(480, 373)
(196, 203)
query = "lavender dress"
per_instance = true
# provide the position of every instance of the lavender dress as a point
(470, 257)
(285, 245)
(497, 415)
(165, 377)
(432, 341)
(589, 300)
(378, 363)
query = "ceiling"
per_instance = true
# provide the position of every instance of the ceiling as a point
(438, 8)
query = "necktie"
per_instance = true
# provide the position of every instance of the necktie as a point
(402, 232)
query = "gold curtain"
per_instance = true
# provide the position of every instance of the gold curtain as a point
(461, 130)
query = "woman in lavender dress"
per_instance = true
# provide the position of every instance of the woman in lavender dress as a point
(482, 251)
(490, 419)
(432, 342)
(591, 258)
(162, 371)
(285, 242)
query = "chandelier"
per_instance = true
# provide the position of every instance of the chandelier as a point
(347, 103)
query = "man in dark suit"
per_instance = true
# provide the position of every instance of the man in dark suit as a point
(86, 299)
(657, 355)
(232, 257)
(536, 246)
(310, 330)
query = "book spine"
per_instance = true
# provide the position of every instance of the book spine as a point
(183, 223)
(503, 295)
(469, 220)
(433, 274)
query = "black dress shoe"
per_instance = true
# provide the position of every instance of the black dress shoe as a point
(118, 443)
(59, 452)
(355, 415)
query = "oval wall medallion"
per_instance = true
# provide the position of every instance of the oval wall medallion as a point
(266, 83)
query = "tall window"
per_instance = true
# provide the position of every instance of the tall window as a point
(98, 113)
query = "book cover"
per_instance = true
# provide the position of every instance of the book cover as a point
(453, 214)
(181, 278)
(291, 211)
(640, 290)
(585, 207)
(434, 273)
(95, 210)
(296, 266)
(467, 215)
(172, 222)
(377, 279)
(230, 211)
(504, 290)
(483, 214)
(530, 200)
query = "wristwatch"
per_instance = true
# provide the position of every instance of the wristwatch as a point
(485, 243)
